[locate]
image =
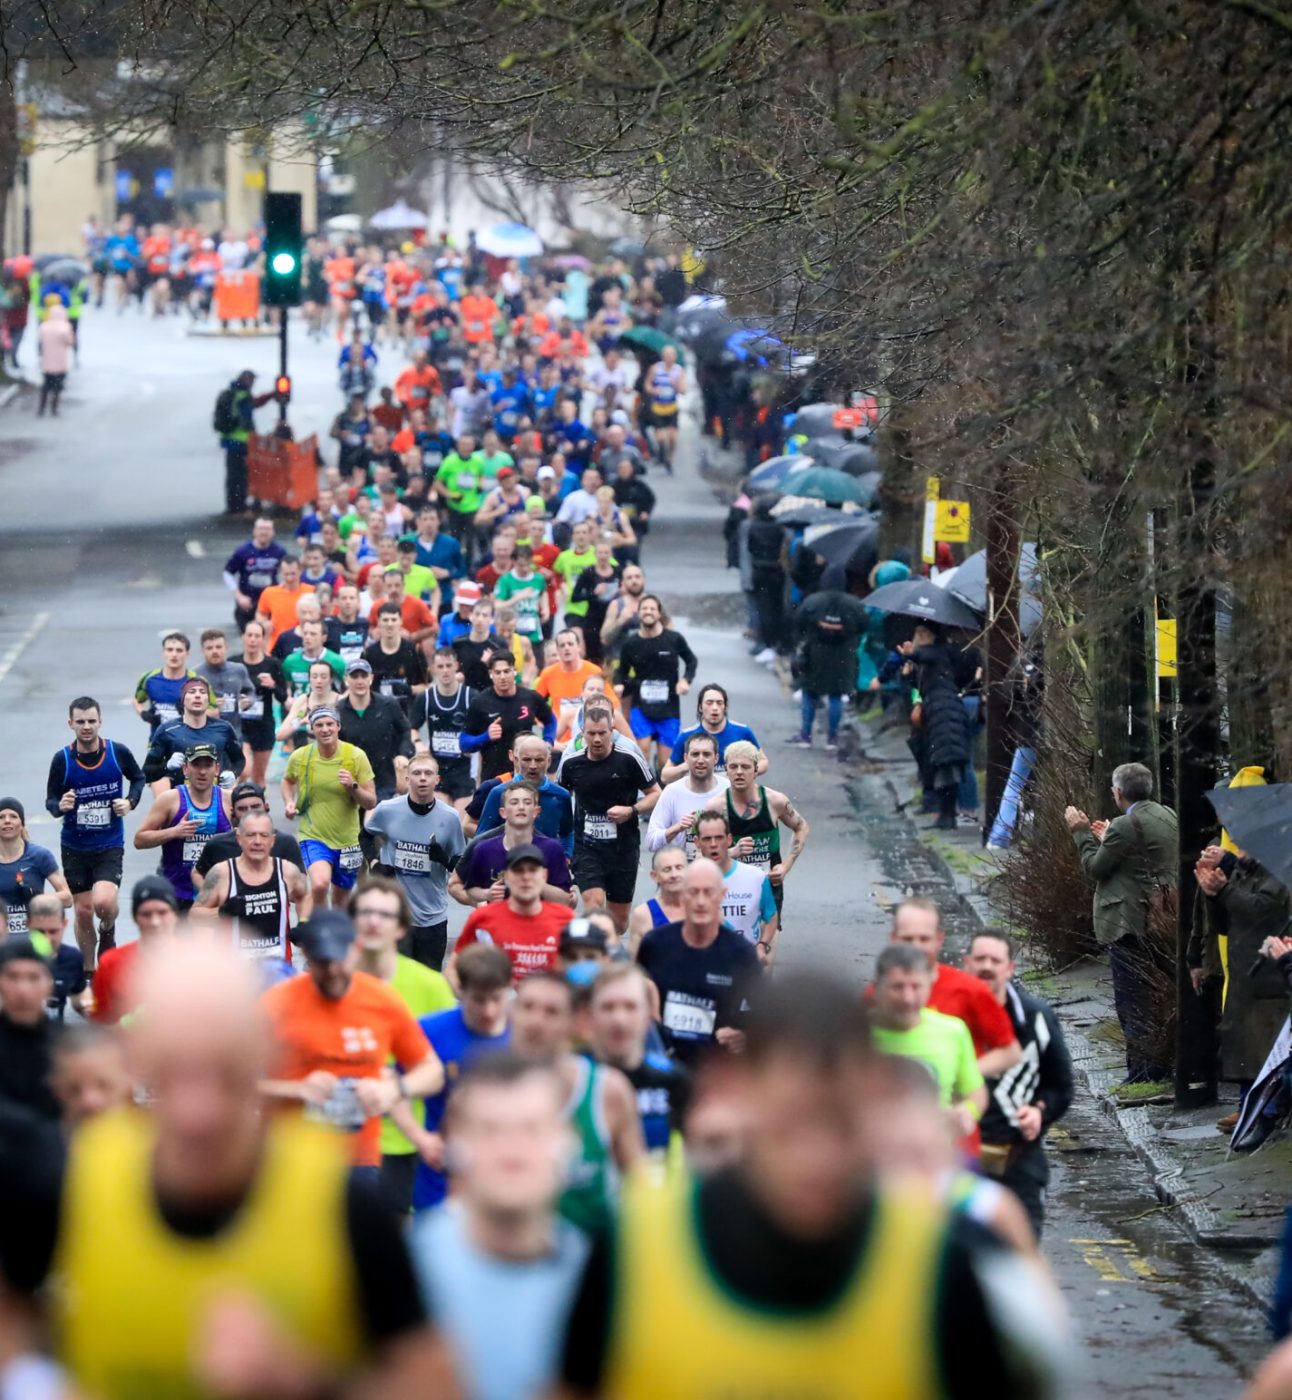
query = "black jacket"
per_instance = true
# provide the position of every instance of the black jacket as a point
(1043, 1076)
(945, 736)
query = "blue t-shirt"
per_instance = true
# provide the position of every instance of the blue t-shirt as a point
(728, 734)
(457, 1045)
(555, 812)
(22, 879)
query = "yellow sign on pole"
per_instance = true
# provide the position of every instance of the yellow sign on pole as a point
(932, 487)
(952, 523)
(1166, 653)
(254, 179)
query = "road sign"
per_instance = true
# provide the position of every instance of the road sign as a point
(952, 523)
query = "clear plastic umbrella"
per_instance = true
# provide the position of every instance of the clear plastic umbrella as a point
(510, 241)
(399, 216)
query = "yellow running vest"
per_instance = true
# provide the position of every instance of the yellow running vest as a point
(680, 1333)
(130, 1294)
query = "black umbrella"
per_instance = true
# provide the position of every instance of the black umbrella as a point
(801, 511)
(817, 419)
(918, 598)
(1259, 820)
(969, 584)
(851, 457)
(852, 543)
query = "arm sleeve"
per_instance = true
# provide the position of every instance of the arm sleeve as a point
(567, 825)
(661, 818)
(131, 772)
(157, 756)
(587, 1332)
(688, 658)
(390, 1301)
(230, 581)
(233, 750)
(1100, 858)
(54, 788)
(994, 1025)
(489, 817)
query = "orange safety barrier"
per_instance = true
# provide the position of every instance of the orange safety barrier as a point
(237, 296)
(282, 473)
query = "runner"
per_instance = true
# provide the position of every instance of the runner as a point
(277, 601)
(419, 841)
(649, 680)
(668, 869)
(25, 868)
(90, 1074)
(269, 685)
(498, 1267)
(378, 725)
(531, 759)
(336, 1030)
(498, 716)
(326, 783)
(479, 646)
(27, 1035)
(748, 905)
(256, 891)
(606, 784)
(570, 720)
(245, 799)
(398, 667)
(297, 663)
(157, 696)
(703, 970)
(711, 707)
(155, 910)
(478, 878)
(562, 682)
(622, 615)
(46, 917)
(476, 1026)
(84, 792)
(619, 1021)
(525, 927)
(252, 568)
(526, 588)
(381, 917)
(258, 1208)
(293, 732)
(600, 1104)
(769, 1278)
(904, 1024)
(172, 740)
(441, 709)
(180, 822)
(756, 814)
(347, 632)
(672, 823)
(231, 687)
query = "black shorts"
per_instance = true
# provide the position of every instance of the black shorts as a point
(609, 866)
(656, 419)
(84, 869)
(259, 738)
(455, 780)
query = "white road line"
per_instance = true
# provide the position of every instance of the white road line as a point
(11, 656)
(196, 549)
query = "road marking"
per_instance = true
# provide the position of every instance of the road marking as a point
(196, 549)
(1096, 1255)
(21, 645)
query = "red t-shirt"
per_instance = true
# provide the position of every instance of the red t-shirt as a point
(112, 994)
(958, 993)
(530, 941)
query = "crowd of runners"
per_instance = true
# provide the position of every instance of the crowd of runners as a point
(306, 1131)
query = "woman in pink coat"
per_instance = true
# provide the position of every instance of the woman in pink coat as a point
(55, 356)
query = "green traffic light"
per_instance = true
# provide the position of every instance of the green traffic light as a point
(283, 263)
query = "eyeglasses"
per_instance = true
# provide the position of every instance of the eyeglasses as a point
(375, 914)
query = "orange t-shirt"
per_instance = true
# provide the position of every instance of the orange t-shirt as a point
(352, 1038)
(278, 604)
(555, 684)
(414, 388)
(414, 615)
(478, 314)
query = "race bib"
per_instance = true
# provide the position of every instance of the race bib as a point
(390, 687)
(228, 704)
(446, 742)
(341, 1110)
(17, 920)
(412, 859)
(94, 814)
(193, 846)
(255, 710)
(165, 712)
(467, 483)
(351, 857)
(259, 579)
(653, 692)
(684, 1018)
(598, 829)
(349, 654)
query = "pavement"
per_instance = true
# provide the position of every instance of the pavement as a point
(111, 538)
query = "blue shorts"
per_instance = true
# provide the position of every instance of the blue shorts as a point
(665, 731)
(342, 877)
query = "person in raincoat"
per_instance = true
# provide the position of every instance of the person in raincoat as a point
(873, 648)
(828, 626)
(55, 340)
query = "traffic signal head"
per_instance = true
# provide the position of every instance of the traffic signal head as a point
(283, 249)
(283, 387)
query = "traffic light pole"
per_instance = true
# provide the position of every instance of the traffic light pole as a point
(282, 362)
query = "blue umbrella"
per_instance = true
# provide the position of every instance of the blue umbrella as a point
(754, 346)
(769, 475)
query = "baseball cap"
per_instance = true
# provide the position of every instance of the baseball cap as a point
(467, 592)
(506, 473)
(195, 751)
(246, 790)
(408, 546)
(359, 667)
(327, 936)
(519, 855)
(619, 416)
(152, 888)
(583, 933)
(546, 473)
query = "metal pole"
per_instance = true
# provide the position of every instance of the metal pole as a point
(282, 360)
(1003, 637)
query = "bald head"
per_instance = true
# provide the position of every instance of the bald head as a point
(45, 906)
(201, 1045)
(702, 895)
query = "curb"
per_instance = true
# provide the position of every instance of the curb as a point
(1196, 1218)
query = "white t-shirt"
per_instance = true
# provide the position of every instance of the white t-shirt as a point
(746, 900)
(679, 799)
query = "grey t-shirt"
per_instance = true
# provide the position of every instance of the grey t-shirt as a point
(228, 684)
(403, 842)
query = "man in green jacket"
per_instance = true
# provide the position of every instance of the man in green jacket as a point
(1129, 858)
